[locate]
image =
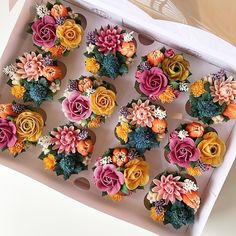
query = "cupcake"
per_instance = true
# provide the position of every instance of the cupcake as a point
(56, 29)
(21, 126)
(88, 101)
(162, 75)
(142, 125)
(173, 199)
(212, 98)
(35, 77)
(110, 50)
(195, 148)
(67, 150)
(119, 172)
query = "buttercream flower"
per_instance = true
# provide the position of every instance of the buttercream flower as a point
(70, 34)
(7, 133)
(65, 139)
(159, 126)
(168, 95)
(52, 72)
(49, 162)
(76, 107)
(152, 82)
(195, 129)
(30, 66)
(57, 50)
(120, 156)
(103, 101)
(59, 10)
(182, 152)
(169, 52)
(168, 188)
(141, 113)
(128, 49)
(223, 90)
(6, 110)
(191, 199)
(17, 148)
(84, 84)
(84, 147)
(136, 173)
(230, 111)
(18, 91)
(152, 197)
(44, 32)
(197, 88)
(29, 126)
(92, 65)
(122, 131)
(212, 149)
(95, 122)
(108, 179)
(155, 57)
(176, 68)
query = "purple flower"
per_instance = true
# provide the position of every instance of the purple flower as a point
(159, 206)
(144, 66)
(219, 74)
(169, 53)
(44, 32)
(152, 82)
(76, 107)
(60, 20)
(108, 179)
(182, 152)
(47, 60)
(83, 134)
(91, 37)
(7, 133)
(124, 111)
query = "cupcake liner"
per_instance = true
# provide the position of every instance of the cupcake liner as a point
(57, 19)
(142, 125)
(88, 101)
(35, 77)
(173, 198)
(67, 150)
(21, 126)
(195, 148)
(212, 98)
(162, 75)
(120, 172)
(109, 51)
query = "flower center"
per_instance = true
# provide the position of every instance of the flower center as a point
(169, 188)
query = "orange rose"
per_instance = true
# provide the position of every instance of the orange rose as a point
(128, 49)
(84, 147)
(191, 199)
(195, 129)
(6, 110)
(159, 126)
(52, 72)
(59, 10)
(230, 111)
(155, 57)
(84, 84)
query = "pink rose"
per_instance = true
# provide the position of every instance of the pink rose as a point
(152, 82)
(182, 152)
(44, 32)
(108, 179)
(7, 133)
(76, 107)
(169, 53)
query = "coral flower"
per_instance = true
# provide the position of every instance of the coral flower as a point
(128, 49)
(6, 110)
(52, 72)
(230, 111)
(168, 95)
(191, 199)
(120, 156)
(195, 129)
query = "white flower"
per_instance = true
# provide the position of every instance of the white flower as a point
(160, 114)
(90, 48)
(45, 141)
(182, 134)
(208, 78)
(98, 81)
(54, 87)
(86, 161)
(16, 78)
(129, 61)
(10, 70)
(189, 185)
(128, 36)
(218, 119)
(184, 87)
(42, 11)
(122, 119)
(45, 150)
(89, 91)
(66, 93)
(72, 15)
(105, 160)
(152, 197)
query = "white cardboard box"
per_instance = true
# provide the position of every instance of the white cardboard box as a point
(184, 38)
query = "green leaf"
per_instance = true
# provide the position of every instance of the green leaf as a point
(120, 168)
(9, 82)
(61, 99)
(41, 156)
(77, 20)
(174, 84)
(123, 69)
(140, 187)
(124, 189)
(104, 194)
(57, 81)
(43, 82)
(167, 148)
(66, 53)
(49, 5)
(29, 28)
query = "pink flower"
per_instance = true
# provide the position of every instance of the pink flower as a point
(168, 188)
(169, 53)
(182, 152)
(7, 133)
(152, 82)
(65, 139)
(141, 114)
(109, 39)
(30, 66)
(76, 107)
(108, 179)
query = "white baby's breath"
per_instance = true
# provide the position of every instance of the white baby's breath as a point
(182, 134)
(10, 70)
(128, 36)
(42, 11)
(54, 87)
(152, 197)
(45, 141)
(89, 91)
(184, 87)
(105, 160)
(218, 119)
(160, 114)
(189, 185)
(86, 161)
(90, 48)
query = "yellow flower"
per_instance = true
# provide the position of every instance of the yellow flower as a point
(168, 95)
(194, 171)
(177, 68)
(197, 88)
(57, 50)
(92, 65)
(102, 101)
(212, 149)
(29, 125)
(136, 173)
(157, 217)
(17, 148)
(18, 91)
(117, 197)
(94, 123)
(70, 34)
(49, 162)
(122, 131)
